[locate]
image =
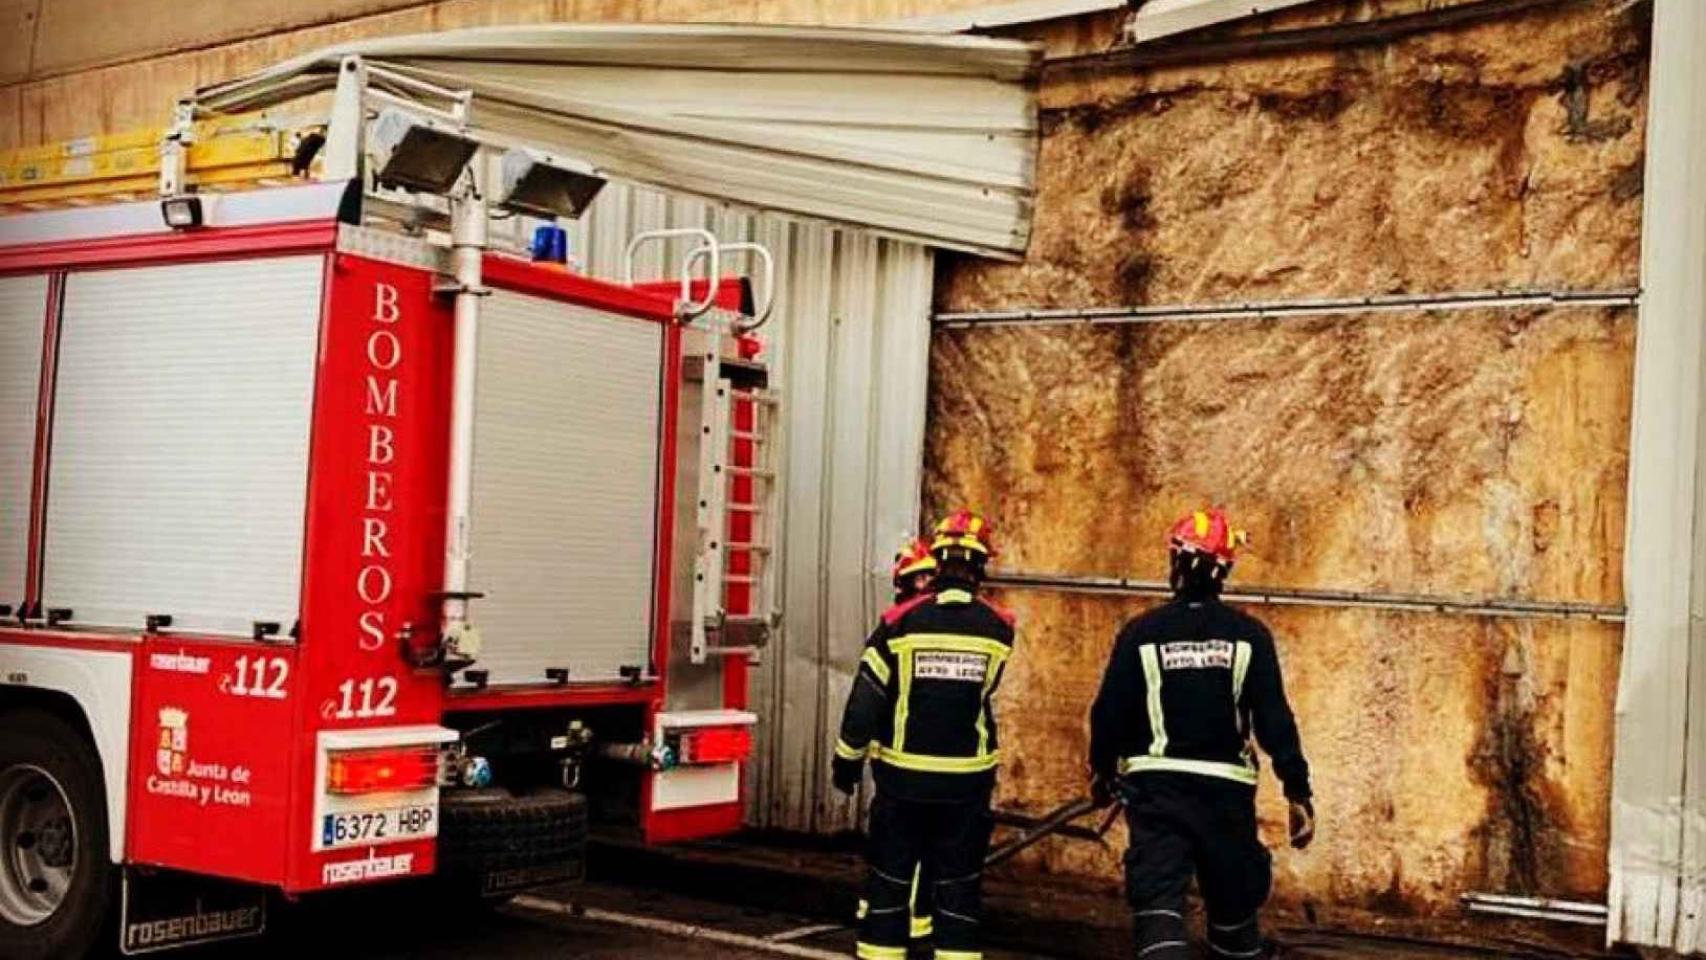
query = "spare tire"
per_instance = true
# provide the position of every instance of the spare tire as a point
(504, 843)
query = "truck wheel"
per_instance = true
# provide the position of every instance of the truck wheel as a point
(56, 882)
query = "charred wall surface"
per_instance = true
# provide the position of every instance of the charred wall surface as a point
(1451, 755)
(1502, 155)
(1463, 453)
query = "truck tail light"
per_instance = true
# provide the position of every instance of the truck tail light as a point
(716, 745)
(382, 770)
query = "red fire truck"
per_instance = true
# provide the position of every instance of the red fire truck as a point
(338, 548)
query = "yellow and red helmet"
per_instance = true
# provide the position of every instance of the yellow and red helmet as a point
(912, 559)
(966, 530)
(1208, 532)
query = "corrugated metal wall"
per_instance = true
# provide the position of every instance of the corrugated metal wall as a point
(849, 348)
(1658, 813)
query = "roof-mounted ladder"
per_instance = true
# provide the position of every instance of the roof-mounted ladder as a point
(226, 153)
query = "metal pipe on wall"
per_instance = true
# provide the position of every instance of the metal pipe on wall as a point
(1536, 908)
(1304, 597)
(1283, 309)
(1204, 45)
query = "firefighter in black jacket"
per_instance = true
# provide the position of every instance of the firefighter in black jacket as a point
(921, 707)
(914, 573)
(1188, 684)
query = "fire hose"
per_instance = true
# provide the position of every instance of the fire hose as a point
(1056, 821)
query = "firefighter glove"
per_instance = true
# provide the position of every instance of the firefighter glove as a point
(1302, 823)
(847, 774)
(1101, 791)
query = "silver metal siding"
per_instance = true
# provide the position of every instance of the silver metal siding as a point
(1658, 792)
(848, 348)
(565, 477)
(180, 443)
(23, 320)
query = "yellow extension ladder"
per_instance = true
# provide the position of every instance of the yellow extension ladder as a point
(227, 153)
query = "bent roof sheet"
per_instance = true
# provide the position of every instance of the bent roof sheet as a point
(924, 137)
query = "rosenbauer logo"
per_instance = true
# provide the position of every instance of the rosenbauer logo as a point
(371, 868)
(180, 662)
(198, 927)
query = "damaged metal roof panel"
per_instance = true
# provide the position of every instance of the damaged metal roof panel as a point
(999, 15)
(923, 137)
(1164, 18)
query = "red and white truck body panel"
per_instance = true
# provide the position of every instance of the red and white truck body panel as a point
(222, 526)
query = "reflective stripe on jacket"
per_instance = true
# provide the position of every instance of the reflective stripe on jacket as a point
(1190, 685)
(921, 706)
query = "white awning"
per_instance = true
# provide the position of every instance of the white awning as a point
(923, 137)
(1159, 19)
(1011, 14)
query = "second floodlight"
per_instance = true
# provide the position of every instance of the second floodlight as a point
(547, 186)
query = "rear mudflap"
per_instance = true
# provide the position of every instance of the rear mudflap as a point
(166, 909)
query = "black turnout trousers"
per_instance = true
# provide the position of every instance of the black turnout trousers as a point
(923, 904)
(948, 839)
(1183, 825)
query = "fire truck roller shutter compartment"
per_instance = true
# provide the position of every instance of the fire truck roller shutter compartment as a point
(180, 443)
(567, 408)
(23, 319)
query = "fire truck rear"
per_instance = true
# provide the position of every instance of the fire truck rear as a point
(337, 547)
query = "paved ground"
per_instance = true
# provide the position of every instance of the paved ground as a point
(735, 902)
(601, 921)
(612, 922)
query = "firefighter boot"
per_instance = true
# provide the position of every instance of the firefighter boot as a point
(922, 910)
(1160, 932)
(883, 916)
(892, 854)
(1236, 939)
(959, 841)
(1234, 873)
(959, 912)
(1158, 868)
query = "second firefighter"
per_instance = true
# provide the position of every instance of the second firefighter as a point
(921, 708)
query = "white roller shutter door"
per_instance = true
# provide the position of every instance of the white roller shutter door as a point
(23, 320)
(180, 443)
(565, 489)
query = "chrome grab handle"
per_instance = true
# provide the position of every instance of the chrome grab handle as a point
(762, 309)
(688, 308)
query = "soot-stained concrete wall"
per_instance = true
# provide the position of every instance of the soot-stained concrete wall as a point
(1502, 155)
(1465, 453)
(1450, 755)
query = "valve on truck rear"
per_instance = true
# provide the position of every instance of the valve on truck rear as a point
(654, 756)
(475, 772)
(575, 742)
